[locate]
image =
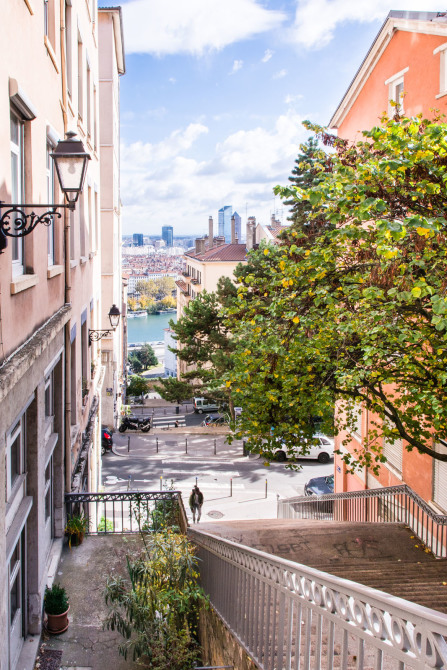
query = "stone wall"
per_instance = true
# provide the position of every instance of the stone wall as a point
(219, 647)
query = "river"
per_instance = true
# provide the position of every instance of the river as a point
(149, 328)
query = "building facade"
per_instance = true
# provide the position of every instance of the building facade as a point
(111, 68)
(405, 64)
(224, 222)
(50, 375)
(167, 234)
(138, 239)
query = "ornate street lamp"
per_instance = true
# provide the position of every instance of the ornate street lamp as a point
(71, 162)
(114, 318)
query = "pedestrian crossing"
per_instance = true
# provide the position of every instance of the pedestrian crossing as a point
(172, 421)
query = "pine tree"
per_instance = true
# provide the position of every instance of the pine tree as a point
(304, 175)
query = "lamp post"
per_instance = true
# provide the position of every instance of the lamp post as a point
(71, 161)
(114, 318)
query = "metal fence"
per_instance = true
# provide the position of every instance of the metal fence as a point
(393, 504)
(127, 512)
(289, 616)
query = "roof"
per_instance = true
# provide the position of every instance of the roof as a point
(182, 286)
(225, 252)
(434, 23)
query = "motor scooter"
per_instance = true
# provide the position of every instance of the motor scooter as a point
(135, 423)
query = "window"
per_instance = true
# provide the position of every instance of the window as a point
(14, 456)
(80, 81)
(442, 50)
(17, 185)
(49, 395)
(89, 106)
(49, 491)
(68, 47)
(49, 21)
(95, 126)
(396, 92)
(392, 450)
(50, 199)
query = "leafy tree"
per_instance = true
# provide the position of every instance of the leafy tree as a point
(132, 304)
(168, 302)
(174, 390)
(137, 385)
(353, 308)
(304, 175)
(206, 343)
(157, 289)
(147, 356)
(135, 362)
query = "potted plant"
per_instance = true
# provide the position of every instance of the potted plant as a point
(85, 391)
(56, 607)
(75, 529)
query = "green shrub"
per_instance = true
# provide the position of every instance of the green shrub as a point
(55, 600)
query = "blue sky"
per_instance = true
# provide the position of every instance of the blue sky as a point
(214, 95)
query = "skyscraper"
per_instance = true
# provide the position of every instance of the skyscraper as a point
(238, 226)
(224, 220)
(167, 234)
(138, 239)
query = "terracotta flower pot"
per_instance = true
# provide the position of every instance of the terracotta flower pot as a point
(57, 623)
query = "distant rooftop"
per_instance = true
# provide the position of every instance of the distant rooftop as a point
(223, 252)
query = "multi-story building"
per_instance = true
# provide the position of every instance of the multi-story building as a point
(405, 64)
(206, 263)
(138, 239)
(167, 234)
(224, 222)
(238, 226)
(111, 67)
(50, 297)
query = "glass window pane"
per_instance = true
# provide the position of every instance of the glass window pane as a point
(15, 460)
(15, 596)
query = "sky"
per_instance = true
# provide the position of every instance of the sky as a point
(214, 95)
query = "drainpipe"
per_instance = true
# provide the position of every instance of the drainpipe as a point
(66, 219)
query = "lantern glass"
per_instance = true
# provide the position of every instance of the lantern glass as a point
(114, 316)
(71, 163)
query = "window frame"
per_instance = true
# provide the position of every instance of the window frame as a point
(17, 152)
(50, 178)
(16, 432)
(393, 83)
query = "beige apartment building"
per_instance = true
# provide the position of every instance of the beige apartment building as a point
(51, 376)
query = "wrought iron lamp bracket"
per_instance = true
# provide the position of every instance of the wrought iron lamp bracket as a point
(95, 335)
(15, 222)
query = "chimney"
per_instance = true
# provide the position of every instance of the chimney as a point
(210, 233)
(233, 230)
(220, 240)
(249, 241)
(200, 245)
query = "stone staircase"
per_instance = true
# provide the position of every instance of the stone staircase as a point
(387, 557)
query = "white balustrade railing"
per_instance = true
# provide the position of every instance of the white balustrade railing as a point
(290, 616)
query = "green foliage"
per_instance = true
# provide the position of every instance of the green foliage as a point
(105, 525)
(351, 308)
(55, 599)
(157, 289)
(143, 358)
(173, 390)
(75, 528)
(304, 175)
(206, 341)
(155, 608)
(137, 385)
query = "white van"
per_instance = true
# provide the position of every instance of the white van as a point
(201, 405)
(322, 450)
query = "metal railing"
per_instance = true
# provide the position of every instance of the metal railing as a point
(287, 615)
(393, 504)
(127, 512)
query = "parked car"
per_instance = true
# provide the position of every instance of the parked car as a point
(215, 420)
(321, 450)
(202, 405)
(106, 440)
(318, 486)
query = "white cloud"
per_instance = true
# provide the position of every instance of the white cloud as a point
(280, 74)
(291, 99)
(172, 80)
(193, 26)
(267, 55)
(164, 181)
(317, 20)
(237, 65)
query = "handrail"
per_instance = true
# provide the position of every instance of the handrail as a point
(391, 504)
(127, 511)
(288, 615)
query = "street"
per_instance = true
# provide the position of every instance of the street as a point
(234, 486)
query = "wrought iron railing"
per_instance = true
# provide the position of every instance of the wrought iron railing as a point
(393, 504)
(286, 615)
(127, 512)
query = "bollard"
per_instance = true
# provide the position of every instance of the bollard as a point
(214, 446)
(231, 487)
(266, 488)
(244, 448)
(157, 443)
(196, 481)
(128, 443)
(186, 445)
(177, 410)
(161, 483)
(128, 482)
